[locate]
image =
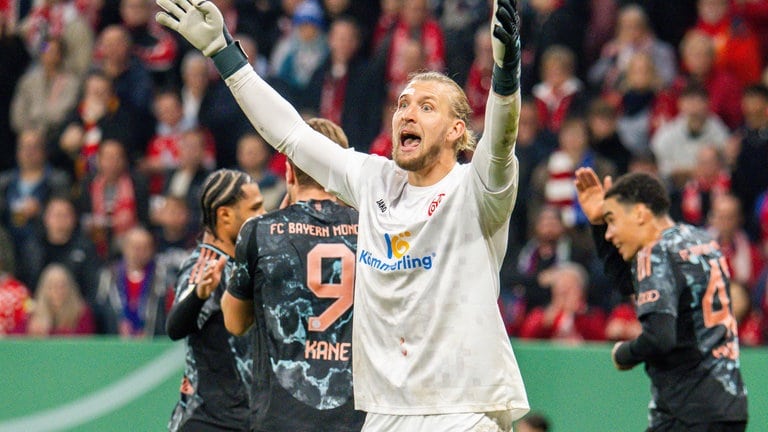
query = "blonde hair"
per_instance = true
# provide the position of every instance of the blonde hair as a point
(459, 106)
(45, 314)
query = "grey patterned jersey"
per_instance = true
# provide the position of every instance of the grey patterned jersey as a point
(685, 275)
(298, 267)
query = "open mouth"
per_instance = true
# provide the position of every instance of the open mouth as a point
(409, 140)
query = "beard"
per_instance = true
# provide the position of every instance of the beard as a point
(415, 162)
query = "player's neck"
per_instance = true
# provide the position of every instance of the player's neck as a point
(431, 175)
(220, 243)
(657, 226)
(301, 193)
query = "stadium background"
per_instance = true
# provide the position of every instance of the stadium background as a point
(115, 385)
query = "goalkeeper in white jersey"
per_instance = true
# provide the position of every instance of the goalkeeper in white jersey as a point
(429, 347)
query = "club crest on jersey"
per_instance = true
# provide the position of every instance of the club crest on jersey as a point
(435, 202)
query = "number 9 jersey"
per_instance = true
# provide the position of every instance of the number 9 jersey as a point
(298, 267)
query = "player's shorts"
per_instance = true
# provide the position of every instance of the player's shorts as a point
(496, 421)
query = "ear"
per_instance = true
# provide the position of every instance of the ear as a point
(456, 131)
(224, 214)
(642, 214)
(290, 175)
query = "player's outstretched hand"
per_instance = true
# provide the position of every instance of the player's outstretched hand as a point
(505, 28)
(200, 23)
(211, 277)
(591, 194)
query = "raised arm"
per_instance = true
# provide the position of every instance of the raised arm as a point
(273, 117)
(494, 158)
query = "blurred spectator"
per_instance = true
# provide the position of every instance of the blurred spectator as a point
(644, 163)
(532, 422)
(99, 116)
(560, 94)
(604, 135)
(726, 226)
(478, 85)
(60, 19)
(25, 189)
(635, 99)
(251, 49)
(567, 318)
(552, 181)
(61, 242)
(737, 49)
(365, 14)
(253, 155)
(15, 59)
(298, 54)
(749, 173)
(132, 292)
(153, 45)
(415, 27)
(633, 35)
(755, 13)
(46, 93)
(534, 144)
(697, 58)
(622, 323)
(186, 180)
(175, 238)
(7, 251)
(164, 149)
(600, 29)
(174, 228)
(548, 246)
(670, 19)
(546, 23)
(14, 304)
(58, 308)
(385, 23)
(460, 21)
(131, 81)
(709, 180)
(210, 104)
(677, 143)
(113, 200)
(750, 320)
(341, 89)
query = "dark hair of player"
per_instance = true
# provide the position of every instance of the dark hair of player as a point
(221, 188)
(640, 188)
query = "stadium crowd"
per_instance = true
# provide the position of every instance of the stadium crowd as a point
(115, 123)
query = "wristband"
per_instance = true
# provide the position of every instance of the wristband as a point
(505, 82)
(230, 60)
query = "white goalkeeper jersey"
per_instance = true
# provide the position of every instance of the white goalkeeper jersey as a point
(428, 337)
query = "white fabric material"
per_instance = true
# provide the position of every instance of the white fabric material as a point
(499, 421)
(428, 336)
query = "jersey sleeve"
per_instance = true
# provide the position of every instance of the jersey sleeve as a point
(657, 282)
(285, 130)
(494, 160)
(182, 318)
(240, 284)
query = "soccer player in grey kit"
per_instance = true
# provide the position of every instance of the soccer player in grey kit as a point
(679, 277)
